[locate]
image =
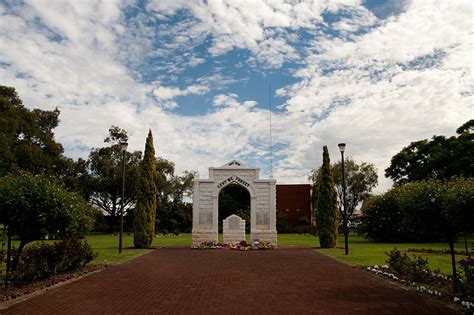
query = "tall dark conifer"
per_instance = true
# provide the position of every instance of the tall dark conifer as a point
(145, 211)
(327, 214)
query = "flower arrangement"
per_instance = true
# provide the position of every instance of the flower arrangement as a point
(242, 245)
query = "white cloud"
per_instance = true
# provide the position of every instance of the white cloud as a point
(386, 101)
(252, 25)
(372, 90)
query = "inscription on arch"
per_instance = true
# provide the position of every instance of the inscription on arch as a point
(232, 179)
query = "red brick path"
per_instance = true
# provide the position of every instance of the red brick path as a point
(184, 281)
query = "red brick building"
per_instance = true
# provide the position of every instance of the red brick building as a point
(294, 201)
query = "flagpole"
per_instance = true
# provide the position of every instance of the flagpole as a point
(271, 144)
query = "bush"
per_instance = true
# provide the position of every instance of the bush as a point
(41, 261)
(304, 229)
(420, 204)
(467, 266)
(303, 221)
(383, 218)
(425, 211)
(415, 269)
(282, 223)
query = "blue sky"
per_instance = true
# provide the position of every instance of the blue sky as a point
(374, 74)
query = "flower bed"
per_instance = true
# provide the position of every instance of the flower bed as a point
(243, 246)
(435, 251)
(414, 272)
(440, 287)
(16, 292)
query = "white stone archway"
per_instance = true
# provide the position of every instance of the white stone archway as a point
(262, 202)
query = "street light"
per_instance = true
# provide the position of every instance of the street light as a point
(123, 147)
(342, 148)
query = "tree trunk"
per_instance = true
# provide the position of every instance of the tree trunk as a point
(467, 247)
(16, 260)
(113, 215)
(9, 252)
(9, 258)
(111, 224)
(453, 264)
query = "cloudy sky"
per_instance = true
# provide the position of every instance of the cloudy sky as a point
(374, 74)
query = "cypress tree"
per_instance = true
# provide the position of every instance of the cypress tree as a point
(145, 210)
(327, 214)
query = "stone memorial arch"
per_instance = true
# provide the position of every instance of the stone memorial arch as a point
(262, 202)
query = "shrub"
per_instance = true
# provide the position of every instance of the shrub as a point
(303, 220)
(304, 229)
(467, 266)
(40, 261)
(420, 203)
(282, 223)
(383, 218)
(425, 211)
(416, 268)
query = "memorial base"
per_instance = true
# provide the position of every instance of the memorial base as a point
(267, 236)
(201, 235)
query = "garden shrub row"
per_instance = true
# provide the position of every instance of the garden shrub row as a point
(425, 211)
(43, 260)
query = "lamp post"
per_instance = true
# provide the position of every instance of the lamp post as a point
(123, 147)
(342, 147)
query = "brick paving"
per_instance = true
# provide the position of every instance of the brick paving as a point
(186, 281)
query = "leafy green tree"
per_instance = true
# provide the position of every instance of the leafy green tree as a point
(360, 180)
(75, 176)
(423, 211)
(421, 202)
(383, 218)
(32, 206)
(327, 214)
(458, 211)
(438, 210)
(145, 211)
(26, 137)
(439, 158)
(173, 213)
(103, 185)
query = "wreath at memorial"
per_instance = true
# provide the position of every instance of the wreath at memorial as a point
(243, 245)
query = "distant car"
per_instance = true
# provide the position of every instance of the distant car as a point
(355, 224)
(341, 225)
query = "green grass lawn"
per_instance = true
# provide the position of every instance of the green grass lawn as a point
(364, 253)
(361, 251)
(106, 247)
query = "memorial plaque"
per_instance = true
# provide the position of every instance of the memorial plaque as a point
(234, 223)
(205, 218)
(233, 229)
